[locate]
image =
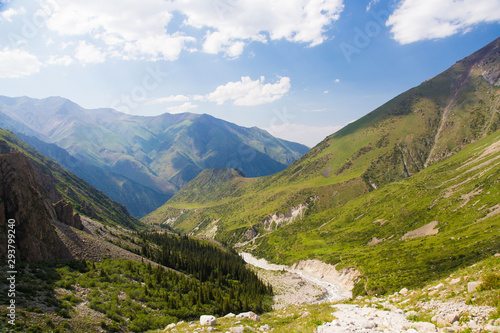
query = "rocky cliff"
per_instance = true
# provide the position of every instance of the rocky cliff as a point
(23, 200)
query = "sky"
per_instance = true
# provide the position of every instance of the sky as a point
(300, 69)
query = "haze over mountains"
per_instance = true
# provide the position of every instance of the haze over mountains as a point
(142, 161)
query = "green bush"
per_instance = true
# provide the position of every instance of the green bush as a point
(491, 281)
(64, 313)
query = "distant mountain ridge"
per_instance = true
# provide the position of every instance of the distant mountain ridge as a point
(152, 157)
(57, 183)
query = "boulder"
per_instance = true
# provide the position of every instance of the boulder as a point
(433, 293)
(169, 326)
(424, 327)
(472, 286)
(264, 328)
(403, 291)
(230, 315)
(248, 315)
(208, 320)
(239, 329)
(452, 317)
(64, 213)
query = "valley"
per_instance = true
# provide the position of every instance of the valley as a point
(391, 224)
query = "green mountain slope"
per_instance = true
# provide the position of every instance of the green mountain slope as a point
(84, 198)
(160, 153)
(420, 127)
(408, 232)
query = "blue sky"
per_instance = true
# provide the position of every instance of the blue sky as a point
(300, 69)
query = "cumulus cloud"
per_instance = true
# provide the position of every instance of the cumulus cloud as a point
(89, 54)
(63, 60)
(182, 108)
(126, 28)
(15, 63)
(233, 24)
(145, 30)
(416, 20)
(11, 12)
(248, 92)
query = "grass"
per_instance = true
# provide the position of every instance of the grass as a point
(466, 232)
(296, 319)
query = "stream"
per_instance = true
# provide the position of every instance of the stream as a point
(333, 293)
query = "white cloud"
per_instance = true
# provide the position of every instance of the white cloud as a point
(371, 4)
(337, 80)
(232, 24)
(308, 135)
(416, 20)
(17, 63)
(182, 108)
(11, 12)
(63, 60)
(133, 30)
(89, 54)
(171, 98)
(248, 92)
(128, 29)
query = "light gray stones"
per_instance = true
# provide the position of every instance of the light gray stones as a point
(208, 320)
(264, 328)
(424, 327)
(472, 286)
(248, 315)
(403, 291)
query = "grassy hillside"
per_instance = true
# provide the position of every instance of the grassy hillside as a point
(420, 127)
(84, 198)
(353, 197)
(456, 199)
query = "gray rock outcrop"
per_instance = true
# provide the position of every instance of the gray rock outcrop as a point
(23, 200)
(64, 212)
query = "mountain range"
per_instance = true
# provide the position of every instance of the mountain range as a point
(403, 198)
(335, 195)
(138, 161)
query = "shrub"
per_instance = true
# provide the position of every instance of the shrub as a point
(63, 313)
(491, 281)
